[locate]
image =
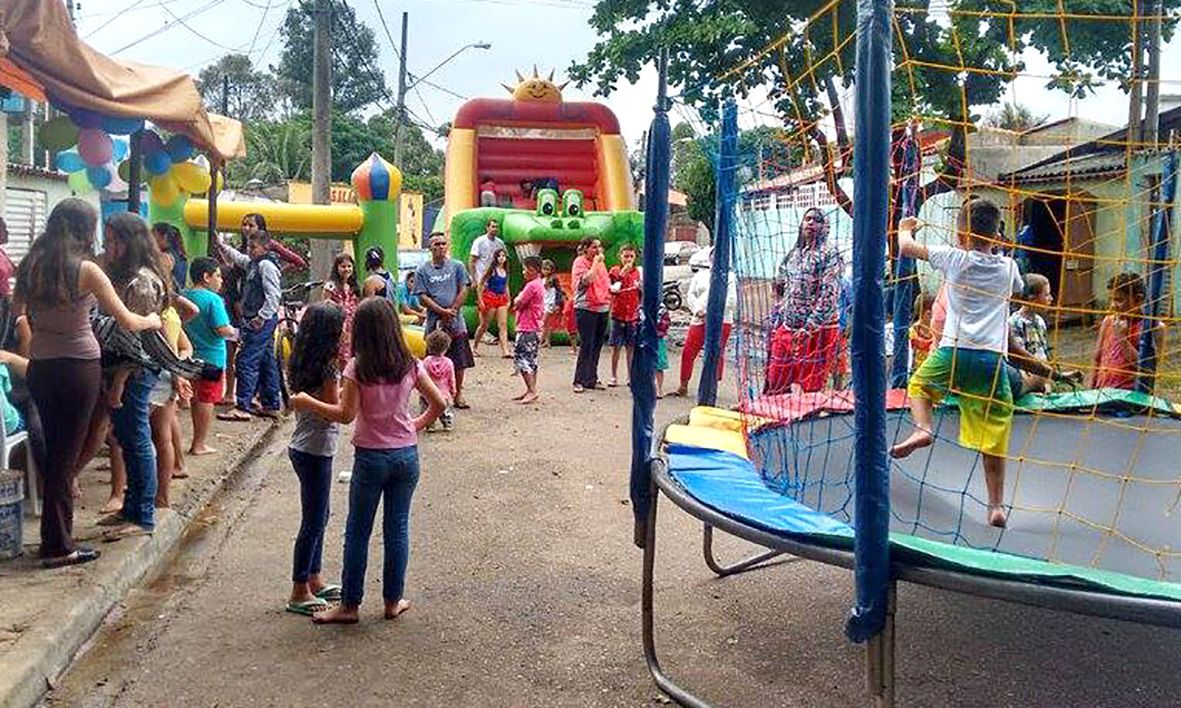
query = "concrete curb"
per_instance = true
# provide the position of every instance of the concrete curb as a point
(47, 650)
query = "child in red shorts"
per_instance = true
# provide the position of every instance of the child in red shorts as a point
(208, 331)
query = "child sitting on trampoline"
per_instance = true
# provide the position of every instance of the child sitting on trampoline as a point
(970, 357)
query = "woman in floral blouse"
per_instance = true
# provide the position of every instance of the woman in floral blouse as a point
(805, 336)
(342, 289)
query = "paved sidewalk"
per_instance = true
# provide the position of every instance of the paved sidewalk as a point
(48, 615)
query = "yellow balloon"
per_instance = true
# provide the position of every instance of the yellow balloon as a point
(191, 177)
(164, 190)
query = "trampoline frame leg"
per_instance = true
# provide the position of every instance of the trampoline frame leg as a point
(752, 563)
(663, 682)
(879, 654)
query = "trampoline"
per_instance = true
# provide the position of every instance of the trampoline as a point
(710, 469)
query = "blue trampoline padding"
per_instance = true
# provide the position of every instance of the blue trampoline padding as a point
(731, 485)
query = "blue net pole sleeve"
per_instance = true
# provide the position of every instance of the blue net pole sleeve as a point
(1156, 274)
(871, 180)
(719, 276)
(643, 373)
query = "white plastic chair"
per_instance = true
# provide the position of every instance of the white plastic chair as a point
(9, 443)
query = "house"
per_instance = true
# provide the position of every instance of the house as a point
(29, 196)
(1087, 206)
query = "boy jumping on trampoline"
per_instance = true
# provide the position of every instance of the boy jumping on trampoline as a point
(970, 359)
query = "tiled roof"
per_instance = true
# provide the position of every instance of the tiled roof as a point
(1099, 164)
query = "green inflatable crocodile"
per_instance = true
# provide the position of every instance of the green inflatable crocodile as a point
(551, 231)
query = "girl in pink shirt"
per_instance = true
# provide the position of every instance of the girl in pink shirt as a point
(376, 390)
(442, 372)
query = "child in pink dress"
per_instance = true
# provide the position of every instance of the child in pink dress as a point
(442, 372)
(1117, 350)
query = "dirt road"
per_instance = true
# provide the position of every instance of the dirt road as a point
(526, 592)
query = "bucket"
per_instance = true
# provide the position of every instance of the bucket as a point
(12, 493)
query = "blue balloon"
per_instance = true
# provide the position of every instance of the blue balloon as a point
(119, 150)
(69, 161)
(157, 162)
(98, 176)
(179, 148)
(86, 118)
(117, 125)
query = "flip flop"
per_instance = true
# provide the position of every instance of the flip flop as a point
(462, 405)
(80, 555)
(307, 608)
(331, 593)
(235, 416)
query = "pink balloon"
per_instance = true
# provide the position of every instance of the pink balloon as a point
(95, 146)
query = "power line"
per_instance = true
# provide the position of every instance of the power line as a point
(116, 16)
(388, 35)
(168, 26)
(207, 39)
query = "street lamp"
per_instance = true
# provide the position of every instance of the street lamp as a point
(474, 45)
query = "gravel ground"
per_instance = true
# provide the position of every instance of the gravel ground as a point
(526, 592)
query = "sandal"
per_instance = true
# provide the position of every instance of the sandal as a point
(80, 555)
(307, 608)
(236, 415)
(331, 593)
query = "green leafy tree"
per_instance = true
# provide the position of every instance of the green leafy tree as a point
(725, 48)
(1014, 116)
(693, 174)
(232, 86)
(276, 152)
(357, 82)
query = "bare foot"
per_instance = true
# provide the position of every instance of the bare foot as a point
(76, 490)
(113, 505)
(203, 450)
(529, 398)
(392, 610)
(182, 473)
(521, 395)
(337, 615)
(996, 517)
(127, 530)
(918, 439)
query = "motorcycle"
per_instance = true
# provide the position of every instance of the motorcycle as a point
(670, 295)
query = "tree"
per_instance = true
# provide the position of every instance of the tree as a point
(725, 48)
(276, 152)
(693, 174)
(1014, 116)
(232, 86)
(357, 82)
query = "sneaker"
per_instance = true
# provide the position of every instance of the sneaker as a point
(345, 476)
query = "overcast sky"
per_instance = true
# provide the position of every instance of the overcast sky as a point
(550, 33)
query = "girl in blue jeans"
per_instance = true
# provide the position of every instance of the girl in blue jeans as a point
(376, 391)
(313, 445)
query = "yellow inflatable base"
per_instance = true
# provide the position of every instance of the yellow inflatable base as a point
(415, 339)
(713, 428)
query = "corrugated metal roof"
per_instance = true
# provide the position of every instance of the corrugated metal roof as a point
(1090, 166)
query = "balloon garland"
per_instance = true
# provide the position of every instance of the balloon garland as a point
(93, 159)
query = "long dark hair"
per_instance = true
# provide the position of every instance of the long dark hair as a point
(380, 350)
(48, 273)
(313, 355)
(171, 235)
(334, 277)
(140, 251)
(800, 243)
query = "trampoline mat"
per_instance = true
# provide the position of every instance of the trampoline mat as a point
(1093, 497)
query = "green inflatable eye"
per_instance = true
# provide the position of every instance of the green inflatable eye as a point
(573, 201)
(547, 202)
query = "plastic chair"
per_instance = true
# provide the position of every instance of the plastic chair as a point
(8, 443)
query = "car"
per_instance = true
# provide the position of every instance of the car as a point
(409, 259)
(679, 252)
(701, 258)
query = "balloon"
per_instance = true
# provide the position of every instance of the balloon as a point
(69, 161)
(157, 162)
(179, 148)
(163, 190)
(191, 177)
(120, 150)
(86, 118)
(150, 142)
(79, 183)
(123, 172)
(59, 133)
(94, 146)
(98, 176)
(117, 125)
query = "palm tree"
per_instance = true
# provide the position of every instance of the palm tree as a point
(1014, 116)
(275, 153)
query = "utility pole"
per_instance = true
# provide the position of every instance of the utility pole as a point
(401, 117)
(1136, 87)
(322, 251)
(1149, 134)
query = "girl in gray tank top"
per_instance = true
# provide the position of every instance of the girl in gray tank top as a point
(313, 445)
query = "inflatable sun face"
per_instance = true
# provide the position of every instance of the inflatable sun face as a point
(536, 89)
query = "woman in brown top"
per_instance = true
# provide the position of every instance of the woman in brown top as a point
(59, 283)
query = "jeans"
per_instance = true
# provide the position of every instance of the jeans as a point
(376, 473)
(315, 485)
(257, 368)
(592, 333)
(133, 430)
